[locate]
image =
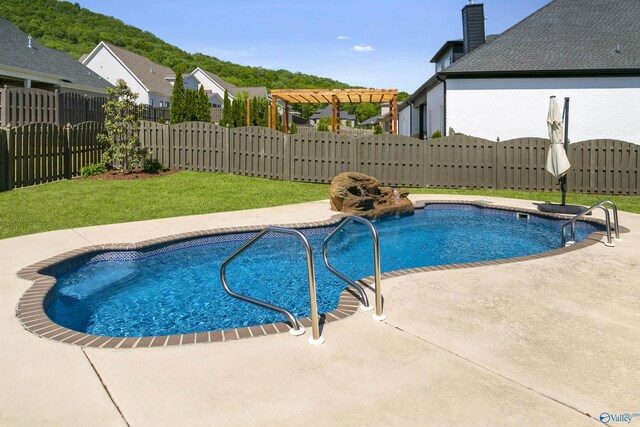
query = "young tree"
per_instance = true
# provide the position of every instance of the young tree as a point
(294, 129)
(204, 108)
(122, 122)
(190, 106)
(178, 99)
(227, 119)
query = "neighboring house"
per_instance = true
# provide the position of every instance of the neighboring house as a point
(152, 82)
(587, 50)
(371, 122)
(26, 63)
(326, 113)
(214, 86)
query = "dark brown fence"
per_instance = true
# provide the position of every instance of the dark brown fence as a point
(38, 153)
(21, 106)
(43, 152)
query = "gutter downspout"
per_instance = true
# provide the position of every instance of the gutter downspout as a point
(444, 81)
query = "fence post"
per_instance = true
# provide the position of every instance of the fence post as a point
(67, 150)
(166, 146)
(287, 163)
(226, 150)
(4, 107)
(5, 160)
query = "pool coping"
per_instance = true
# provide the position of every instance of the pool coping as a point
(31, 313)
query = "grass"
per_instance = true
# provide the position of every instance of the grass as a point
(79, 202)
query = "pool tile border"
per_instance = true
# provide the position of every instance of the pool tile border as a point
(30, 309)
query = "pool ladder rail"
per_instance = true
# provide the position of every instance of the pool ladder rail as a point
(296, 327)
(364, 306)
(602, 205)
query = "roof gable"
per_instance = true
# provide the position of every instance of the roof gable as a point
(153, 76)
(15, 52)
(564, 35)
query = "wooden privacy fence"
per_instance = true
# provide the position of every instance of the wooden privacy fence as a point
(39, 153)
(459, 161)
(42, 152)
(20, 106)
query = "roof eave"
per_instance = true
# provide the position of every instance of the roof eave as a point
(539, 73)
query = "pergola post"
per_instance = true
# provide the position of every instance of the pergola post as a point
(248, 112)
(269, 116)
(274, 113)
(335, 114)
(285, 118)
(393, 115)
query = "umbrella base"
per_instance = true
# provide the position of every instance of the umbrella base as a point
(561, 209)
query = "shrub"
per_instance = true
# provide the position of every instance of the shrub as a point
(436, 134)
(91, 170)
(152, 166)
(122, 122)
(294, 129)
(377, 129)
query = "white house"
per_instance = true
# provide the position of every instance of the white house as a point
(152, 82)
(214, 86)
(26, 63)
(499, 88)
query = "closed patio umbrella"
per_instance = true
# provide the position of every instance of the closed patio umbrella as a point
(557, 160)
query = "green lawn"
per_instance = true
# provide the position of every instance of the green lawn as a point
(79, 202)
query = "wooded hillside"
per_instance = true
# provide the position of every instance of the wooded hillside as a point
(69, 27)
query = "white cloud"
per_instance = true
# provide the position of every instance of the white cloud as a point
(342, 38)
(362, 48)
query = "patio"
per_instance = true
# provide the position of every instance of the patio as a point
(551, 341)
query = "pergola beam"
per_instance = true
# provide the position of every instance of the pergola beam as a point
(343, 95)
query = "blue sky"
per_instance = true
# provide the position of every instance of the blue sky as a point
(374, 43)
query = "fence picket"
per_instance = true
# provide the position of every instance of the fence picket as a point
(41, 152)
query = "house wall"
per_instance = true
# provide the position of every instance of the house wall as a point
(435, 110)
(600, 107)
(158, 100)
(109, 68)
(208, 84)
(404, 121)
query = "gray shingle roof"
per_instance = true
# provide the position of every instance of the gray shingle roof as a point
(326, 112)
(233, 89)
(15, 52)
(371, 120)
(153, 76)
(563, 36)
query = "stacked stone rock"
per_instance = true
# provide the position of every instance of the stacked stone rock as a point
(360, 194)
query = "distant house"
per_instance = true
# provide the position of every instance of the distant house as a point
(26, 63)
(326, 113)
(215, 86)
(371, 122)
(152, 82)
(499, 86)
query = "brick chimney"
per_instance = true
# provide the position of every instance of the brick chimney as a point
(472, 26)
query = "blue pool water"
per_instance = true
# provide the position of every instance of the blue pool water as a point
(176, 289)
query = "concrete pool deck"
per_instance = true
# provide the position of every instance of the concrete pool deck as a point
(538, 342)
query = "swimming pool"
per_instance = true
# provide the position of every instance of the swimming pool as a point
(174, 288)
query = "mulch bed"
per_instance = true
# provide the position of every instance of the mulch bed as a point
(134, 174)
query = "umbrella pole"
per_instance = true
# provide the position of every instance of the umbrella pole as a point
(565, 116)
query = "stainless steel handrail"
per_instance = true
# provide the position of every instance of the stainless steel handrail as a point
(616, 224)
(296, 329)
(607, 217)
(376, 263)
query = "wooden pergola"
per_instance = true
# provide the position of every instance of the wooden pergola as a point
(335, 97)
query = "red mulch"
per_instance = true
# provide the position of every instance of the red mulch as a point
(134, 174)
